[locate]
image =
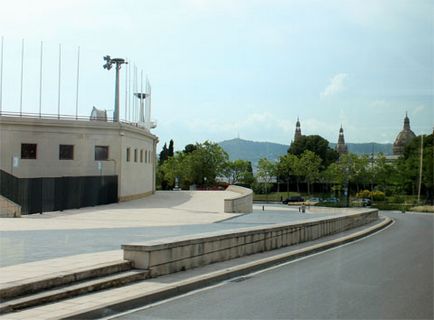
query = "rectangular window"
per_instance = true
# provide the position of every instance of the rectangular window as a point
(128, 154)
(135, 155)
(101, 152)
(66, 152)
(141, 155)
(28, 150)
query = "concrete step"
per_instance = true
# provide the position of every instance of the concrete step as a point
(15, 289)
(73, 290)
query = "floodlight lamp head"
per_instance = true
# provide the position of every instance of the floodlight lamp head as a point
(107, 58)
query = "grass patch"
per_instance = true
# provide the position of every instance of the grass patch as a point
(274, 196)
(429, 209)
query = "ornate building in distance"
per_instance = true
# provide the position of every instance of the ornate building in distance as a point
(297, 130)
(341, 147)
(403, 138)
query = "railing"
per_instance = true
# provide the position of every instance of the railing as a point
(49, 116)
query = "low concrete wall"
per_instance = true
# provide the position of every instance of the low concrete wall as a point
(240, 204)
(9, 209)
(170, 255)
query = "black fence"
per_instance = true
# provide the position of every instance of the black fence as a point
(37, 195)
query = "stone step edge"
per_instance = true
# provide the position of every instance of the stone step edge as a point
(198, 282)
(74, 290)
(28, 286)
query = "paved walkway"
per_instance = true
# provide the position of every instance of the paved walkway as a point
(161, 209)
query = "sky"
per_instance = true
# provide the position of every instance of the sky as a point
(226, 69)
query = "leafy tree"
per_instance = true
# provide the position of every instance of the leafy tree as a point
(287, 167)
(316, 144)
(266, 172)
(189, 148)
(173, 168)
(205, 163)
(409, 166)
(239, 172)
(309, 164)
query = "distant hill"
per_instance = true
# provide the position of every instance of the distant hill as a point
(253, 150)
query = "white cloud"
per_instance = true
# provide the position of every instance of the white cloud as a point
(335, 86)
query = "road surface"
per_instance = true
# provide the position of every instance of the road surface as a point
(388, 275)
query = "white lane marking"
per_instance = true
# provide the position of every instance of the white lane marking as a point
(246, 275)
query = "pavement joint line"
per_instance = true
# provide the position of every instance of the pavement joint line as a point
(201, 281)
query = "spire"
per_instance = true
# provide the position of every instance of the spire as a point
(406, 122)
(297, 134)
(341, 147)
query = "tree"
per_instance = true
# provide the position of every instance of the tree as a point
(173, 168)
(409, 166)
(163, 154)
(170, 151)
(206, 163)
(239, 172)
(286, 167)
(266, 172)
(189, 148)
(316, 144)
(309, 167)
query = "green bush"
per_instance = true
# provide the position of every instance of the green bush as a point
(378, 195)
(363, 194)
(392, 206)
(375, 195)
(396, 199)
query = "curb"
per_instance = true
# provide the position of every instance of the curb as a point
(201, 281)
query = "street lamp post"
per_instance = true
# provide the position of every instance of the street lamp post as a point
(108, 65)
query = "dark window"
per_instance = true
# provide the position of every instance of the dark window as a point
(135, 155)
(101, 152)
(66, 152)
(141, 155)
(128, 154)
(28, 150)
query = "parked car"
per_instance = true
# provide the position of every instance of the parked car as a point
(365, 202)
(331, 200)
(313, 201)
(293, 199)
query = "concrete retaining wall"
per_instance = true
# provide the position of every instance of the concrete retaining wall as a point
(9, 209)
(170, 255)
(240, 204)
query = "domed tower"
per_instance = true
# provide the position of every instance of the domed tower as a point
(341, 147)
(297, 130)
(403, 138)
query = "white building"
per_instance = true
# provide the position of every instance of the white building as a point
(82, 162)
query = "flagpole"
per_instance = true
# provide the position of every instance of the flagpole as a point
(22, 76)
(78, 82)
(40, 80)
(60, 74)
(1, 77)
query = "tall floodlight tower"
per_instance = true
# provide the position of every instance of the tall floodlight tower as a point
(142, 96)
(148, 106)
(108, 65)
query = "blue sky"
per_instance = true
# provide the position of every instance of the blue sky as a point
(220, 69)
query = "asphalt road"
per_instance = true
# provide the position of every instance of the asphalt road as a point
(386, 276)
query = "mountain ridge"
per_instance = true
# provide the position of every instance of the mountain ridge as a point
(254, 150)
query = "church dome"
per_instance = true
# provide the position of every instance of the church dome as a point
(403, 138)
